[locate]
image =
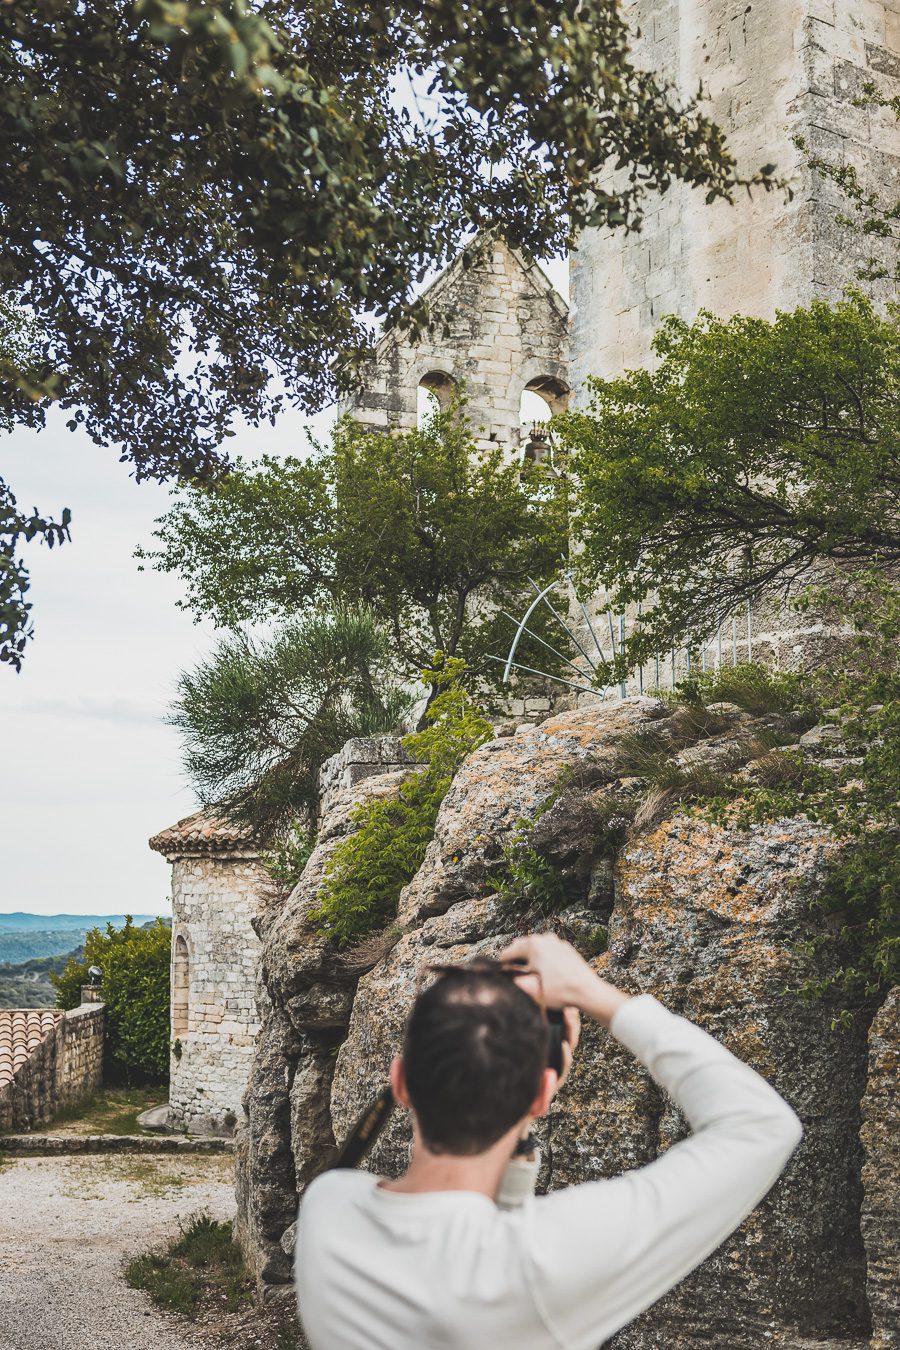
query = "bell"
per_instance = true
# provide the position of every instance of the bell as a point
(537, 447)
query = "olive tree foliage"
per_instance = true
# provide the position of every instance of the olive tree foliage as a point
(261, 715)
(750, 455)
(197, 196)
(17, 338)
(436, 536)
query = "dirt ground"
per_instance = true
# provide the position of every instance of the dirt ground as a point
(68, 1224)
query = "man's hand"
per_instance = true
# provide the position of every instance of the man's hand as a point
(566, 979)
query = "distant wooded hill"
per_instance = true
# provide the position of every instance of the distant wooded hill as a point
(32, 946)
(24, 937)
(27, 984)
(21, 919)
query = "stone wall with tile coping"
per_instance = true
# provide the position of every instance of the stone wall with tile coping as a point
(66, 1068)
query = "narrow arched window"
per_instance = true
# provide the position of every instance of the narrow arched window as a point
(436, 390)
(181, 975)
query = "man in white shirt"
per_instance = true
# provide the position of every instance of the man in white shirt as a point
(429, 1262)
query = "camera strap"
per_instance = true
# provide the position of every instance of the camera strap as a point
(365, 1131)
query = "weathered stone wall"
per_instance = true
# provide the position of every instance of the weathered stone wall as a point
(79, 1053)
(64, 1069)
(710, 919)
(362, 757)
(771, 70)
(215, 897)
(498, 327)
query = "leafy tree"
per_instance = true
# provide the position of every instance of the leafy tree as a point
(17, 339)
(196, 195)
(369, 868)
(135, 966)
(436, 536)
(259, 717)
(754, 452)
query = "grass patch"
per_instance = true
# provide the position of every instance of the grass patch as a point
(749, 686)
(202, 1266)
(111, 1111)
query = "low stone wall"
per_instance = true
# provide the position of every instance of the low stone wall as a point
(79, 1053)
(41, 1144)
(65, 1068)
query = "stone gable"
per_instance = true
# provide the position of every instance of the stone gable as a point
(497, 326)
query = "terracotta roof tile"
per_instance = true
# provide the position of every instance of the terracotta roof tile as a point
(22, 1030)
(204, 832)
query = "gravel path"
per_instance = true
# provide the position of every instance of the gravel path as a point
(66, 1227)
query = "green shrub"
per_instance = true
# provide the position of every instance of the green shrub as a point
(135, 966)
(369, 869)
(286, 860)
(749, 686)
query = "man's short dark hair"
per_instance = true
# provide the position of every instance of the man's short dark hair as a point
(475, 1048)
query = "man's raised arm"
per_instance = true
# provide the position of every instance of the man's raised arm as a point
(604, 1251)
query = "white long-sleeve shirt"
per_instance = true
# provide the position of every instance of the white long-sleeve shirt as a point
(448, 1270)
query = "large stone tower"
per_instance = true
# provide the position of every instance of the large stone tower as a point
(773, 70)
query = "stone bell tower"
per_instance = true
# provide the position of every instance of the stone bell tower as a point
(772, 70)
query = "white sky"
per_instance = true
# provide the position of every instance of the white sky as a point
(91, 769)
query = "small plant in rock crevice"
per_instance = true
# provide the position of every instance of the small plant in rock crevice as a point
(528, 880)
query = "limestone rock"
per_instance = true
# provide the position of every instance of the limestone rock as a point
(304, 1005)
(503, 782)
(880, 1219)
(710, 919)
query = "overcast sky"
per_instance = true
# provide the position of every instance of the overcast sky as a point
(91, 769)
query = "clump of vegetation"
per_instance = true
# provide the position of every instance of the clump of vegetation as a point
(369, 869)
(135, 966)
(203, 1262)
(291, 850)
(749, 686)
(527, 880)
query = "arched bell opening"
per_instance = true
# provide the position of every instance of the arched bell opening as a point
(541, 399)
(436, 390)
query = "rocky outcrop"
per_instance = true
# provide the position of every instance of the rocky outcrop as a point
(712, 919)
(305, 997)
(881, 1175)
